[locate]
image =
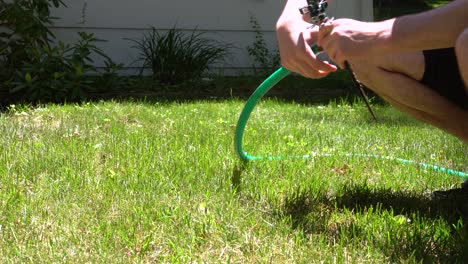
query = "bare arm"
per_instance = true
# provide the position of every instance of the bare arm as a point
(437, 28)
(347, 39)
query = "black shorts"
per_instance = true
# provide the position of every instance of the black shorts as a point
(443, 76)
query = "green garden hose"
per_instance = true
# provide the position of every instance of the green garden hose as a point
(267, 85)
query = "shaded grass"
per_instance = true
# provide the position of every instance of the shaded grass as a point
(389, 9)
(293, 88)
(160, 182)
(437, 3)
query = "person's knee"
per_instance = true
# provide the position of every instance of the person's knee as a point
(367, 72)
(461, 49)
(371, 71)
(462, 43)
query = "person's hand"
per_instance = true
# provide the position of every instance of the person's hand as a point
(347, 39)
(294, 39)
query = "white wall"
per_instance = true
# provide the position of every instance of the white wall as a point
(225, 20)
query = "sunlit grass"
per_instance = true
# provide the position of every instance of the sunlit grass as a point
(389, 9)
(436, 3)
(160, 182)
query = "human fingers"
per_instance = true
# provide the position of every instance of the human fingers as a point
(342, 64)
(338, 59)
(309, 69)
(329, 47)
(307, 72)
(309, 58)
(324, 31)
(310, 37)
(304, 66)
(302, 60)
(334, 49)
(314, 62)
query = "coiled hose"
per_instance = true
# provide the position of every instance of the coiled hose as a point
(267, 85)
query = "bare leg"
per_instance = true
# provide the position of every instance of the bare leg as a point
(461, 49)
(396, 79)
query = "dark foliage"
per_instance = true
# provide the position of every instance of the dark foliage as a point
(33, 66)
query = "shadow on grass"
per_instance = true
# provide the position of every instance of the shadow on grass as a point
(400, 224)
(236, 178)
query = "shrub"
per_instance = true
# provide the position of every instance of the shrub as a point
(24, 25)
(175, 57)
(265, 61)
(33, 66)
(57, 73)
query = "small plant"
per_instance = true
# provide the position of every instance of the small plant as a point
(24, 25)
(175, 57)
(109, 79)
(57, 73)
(33, 66)
(265, 61)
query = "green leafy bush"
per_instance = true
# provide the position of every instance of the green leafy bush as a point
(33, 65)
(175, 57)
(56, 73)
(24, 24)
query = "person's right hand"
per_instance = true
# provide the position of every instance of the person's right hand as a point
(294, 39)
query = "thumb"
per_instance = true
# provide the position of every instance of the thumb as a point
(311, 35)
(324, 32)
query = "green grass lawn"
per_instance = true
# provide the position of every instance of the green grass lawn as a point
(389, 9)
(159, 182)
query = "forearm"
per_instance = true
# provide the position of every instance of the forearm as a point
(291, 15)
(438, 28)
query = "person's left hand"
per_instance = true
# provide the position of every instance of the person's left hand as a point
(347, 39)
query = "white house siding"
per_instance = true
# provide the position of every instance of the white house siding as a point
(226, 20)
